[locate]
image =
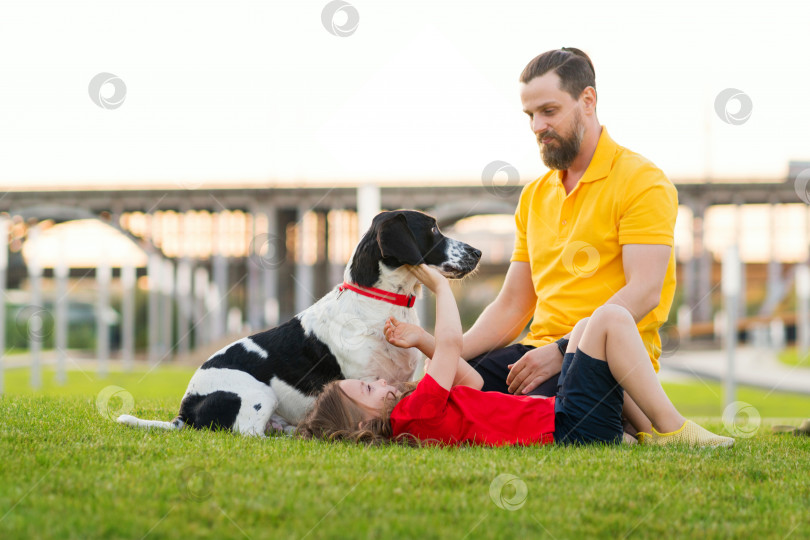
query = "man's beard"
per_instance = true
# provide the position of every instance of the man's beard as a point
(562, 155)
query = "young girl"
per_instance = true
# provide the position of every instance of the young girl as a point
(605, 357)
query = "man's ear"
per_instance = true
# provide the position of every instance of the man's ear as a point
(396, 241)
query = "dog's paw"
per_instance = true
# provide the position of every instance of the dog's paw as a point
(127, 419)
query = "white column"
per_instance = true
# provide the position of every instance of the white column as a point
(103, 277)
(36, 320)
(128, 316)
(201, 324)
(61, 317)
(253, 290)
(154, 272)
(803, 309)
(275, 243)
(368, 206)
(183, 306)
(3, 269)
(304, 260)
(731, 294)
(167, 295)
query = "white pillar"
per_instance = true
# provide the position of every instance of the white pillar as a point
(731, 293)
(183, 306)
(275, 242)
(368, 206)
(103, 277)
(3, 269)
(154, 271)
(61, 271)
(128, 316)
(36, 320)
(803, 309)
(254, 291)
(304, 261)
(201, 325)
(167, 317)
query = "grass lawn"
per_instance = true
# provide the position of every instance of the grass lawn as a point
(68, 471)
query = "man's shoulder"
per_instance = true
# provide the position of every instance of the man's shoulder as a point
(635, 169)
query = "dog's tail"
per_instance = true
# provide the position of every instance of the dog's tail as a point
(130, 420)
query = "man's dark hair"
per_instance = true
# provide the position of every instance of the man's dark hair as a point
(571, 65)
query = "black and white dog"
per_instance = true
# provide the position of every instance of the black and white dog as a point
(272, 378)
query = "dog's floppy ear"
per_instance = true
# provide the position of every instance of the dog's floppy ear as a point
(396, 241)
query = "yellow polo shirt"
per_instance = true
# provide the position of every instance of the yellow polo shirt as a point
(574, 242)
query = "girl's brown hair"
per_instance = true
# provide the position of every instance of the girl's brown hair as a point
(336, 416)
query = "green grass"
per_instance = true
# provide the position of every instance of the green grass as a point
(68, 471)
(791, 357)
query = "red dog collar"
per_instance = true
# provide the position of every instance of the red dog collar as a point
(405, 300)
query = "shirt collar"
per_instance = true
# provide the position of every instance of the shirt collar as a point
(602, 159)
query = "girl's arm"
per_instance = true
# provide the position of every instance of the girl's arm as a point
(448, 336)
(407, 335)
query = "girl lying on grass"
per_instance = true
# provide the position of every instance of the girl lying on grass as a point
(605, 355)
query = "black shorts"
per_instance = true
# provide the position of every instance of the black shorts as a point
(589, 402)
(492, 368)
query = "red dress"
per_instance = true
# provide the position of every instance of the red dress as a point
(465, 415)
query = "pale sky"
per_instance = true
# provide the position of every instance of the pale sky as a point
(422, 91)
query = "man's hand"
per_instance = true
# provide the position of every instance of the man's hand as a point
(534, 368)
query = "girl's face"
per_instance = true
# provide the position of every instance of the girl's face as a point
(370, 396)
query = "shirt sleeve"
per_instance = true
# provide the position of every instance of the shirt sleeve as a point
(648, 215)
(429, 400)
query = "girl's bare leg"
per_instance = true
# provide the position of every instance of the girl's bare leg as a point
(611, 334)
(630, 411)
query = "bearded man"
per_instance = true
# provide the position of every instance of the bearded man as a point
(597, 229)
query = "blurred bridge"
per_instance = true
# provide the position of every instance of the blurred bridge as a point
(270, 251)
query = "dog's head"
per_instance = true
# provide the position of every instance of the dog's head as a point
(409, 237)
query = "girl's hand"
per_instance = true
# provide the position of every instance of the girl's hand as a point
(401, 334)
(430, 277)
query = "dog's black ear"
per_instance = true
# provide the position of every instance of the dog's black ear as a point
(396, 241)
